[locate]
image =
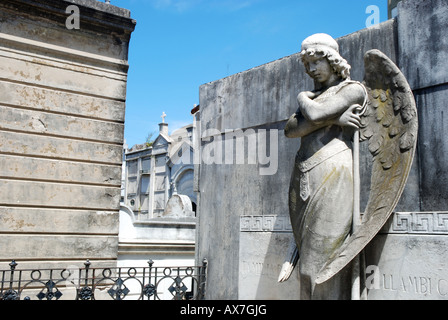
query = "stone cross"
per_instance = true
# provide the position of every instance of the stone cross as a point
(163, 117)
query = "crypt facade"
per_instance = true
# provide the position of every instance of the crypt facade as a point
(157, 212)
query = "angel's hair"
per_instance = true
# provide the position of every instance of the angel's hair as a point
(339, 64)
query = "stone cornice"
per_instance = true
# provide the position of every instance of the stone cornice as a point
(94, 15)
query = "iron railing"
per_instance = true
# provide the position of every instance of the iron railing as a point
(88, 283)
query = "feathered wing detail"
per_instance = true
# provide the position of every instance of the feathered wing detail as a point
(290, 262)
(390, 125)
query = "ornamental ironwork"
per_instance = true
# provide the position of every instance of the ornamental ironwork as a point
(118, 283)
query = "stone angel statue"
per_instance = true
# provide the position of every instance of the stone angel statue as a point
(329, 232)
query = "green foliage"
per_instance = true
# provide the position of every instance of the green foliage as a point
(149, 140)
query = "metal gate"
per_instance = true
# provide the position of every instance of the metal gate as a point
(89, 283)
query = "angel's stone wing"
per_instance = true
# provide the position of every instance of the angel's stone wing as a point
(390, 125)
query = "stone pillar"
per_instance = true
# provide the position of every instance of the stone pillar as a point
(63, 90)
(163, 128)
(392, 8)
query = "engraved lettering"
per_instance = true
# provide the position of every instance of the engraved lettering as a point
(425, 285)
(442, 287)
(403, 285)
(409, 284)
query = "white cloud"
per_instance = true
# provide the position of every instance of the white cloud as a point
(186, 5)
(177, 5)
(177, 124)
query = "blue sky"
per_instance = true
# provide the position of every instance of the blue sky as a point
(179, 45)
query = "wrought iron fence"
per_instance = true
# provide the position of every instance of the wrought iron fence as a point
(88, 283)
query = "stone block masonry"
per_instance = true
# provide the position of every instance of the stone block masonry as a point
(62, 106)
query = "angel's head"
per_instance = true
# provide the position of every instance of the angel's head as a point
(321, 52)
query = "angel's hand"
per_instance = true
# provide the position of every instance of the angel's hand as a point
(350, 118)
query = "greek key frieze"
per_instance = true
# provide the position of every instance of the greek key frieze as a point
(418, 223)
(265, 224)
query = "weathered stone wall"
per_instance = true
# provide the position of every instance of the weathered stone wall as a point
(62, 101)
(241, 213)
(423, 53)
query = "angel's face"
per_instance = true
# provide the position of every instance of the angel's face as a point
(319, 69)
